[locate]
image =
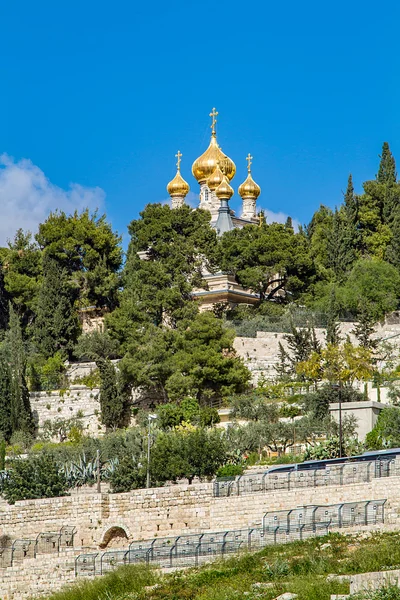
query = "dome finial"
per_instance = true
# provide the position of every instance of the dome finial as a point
(178, 188)
(178, 163)
(249, 189)
(249, 158)
(213, 115)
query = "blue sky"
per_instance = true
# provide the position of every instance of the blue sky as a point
(102, 95)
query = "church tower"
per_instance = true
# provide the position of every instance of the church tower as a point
(178, 188)
(249, 192)
(204, 167)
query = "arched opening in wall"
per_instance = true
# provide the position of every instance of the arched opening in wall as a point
(115, 537)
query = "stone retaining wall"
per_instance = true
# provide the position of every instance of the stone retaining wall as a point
(162, 512)
(76, 401)
(179, 509)
(373, 580)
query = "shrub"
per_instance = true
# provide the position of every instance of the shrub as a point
(230, 471)
(34, 477)
(127, 475)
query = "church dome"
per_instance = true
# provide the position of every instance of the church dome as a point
(216, 178)
(249, 188)
(206, 164)
(178, 186)
(224, 190)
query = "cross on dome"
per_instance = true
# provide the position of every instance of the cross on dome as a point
(249, 158)
(213, 115)
(178, 156)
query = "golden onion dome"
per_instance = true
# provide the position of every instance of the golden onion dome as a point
(216, 178)
(206, 164)
(178, 186)
(249, 188)
(224, 190)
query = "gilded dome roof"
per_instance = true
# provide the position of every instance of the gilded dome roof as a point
(224, 190)
(178, 186)
(249, 188)
(216, 178)
(206, 164)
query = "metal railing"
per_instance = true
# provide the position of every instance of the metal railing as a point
(344, 474)
(277, 527)
(44, 543)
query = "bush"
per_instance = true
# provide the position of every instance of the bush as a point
(187, 454)
(386, 433)
(127, 475)
(47, 374)
(230, 471)
(317, 403)
(34, 477)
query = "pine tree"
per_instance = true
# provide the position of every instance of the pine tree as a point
(5, 398)
(20, 408)
(301, 342)
(387, 167)
(56, 326)
(364, 328)
(332, 325)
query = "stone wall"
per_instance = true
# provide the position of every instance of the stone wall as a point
(77, 401)
(374, 580)
(162, 512)
(261, 353)
(178, 509)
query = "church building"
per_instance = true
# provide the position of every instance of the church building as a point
(214, 171)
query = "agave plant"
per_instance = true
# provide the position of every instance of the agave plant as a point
(84, 471)
(79, 473)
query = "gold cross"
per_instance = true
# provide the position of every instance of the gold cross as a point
(213, 115)
(249, 158)
(178, 156)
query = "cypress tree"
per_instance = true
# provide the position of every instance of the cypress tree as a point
(351, 202)
(3, 302)
(56, 325)
(340, 244)
(5, 398)
(20, 407)
(112, 405)
(387, 167)
(289, 223)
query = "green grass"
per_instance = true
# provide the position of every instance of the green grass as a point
(300, 567)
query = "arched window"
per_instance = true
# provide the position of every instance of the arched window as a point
(206, 194)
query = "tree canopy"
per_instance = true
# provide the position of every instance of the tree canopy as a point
(267, 259)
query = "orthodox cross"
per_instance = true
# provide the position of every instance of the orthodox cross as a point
(178, 156)
(249, 158)
(213, 115)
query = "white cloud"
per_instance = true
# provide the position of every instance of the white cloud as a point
(279, 217)
(27, 197)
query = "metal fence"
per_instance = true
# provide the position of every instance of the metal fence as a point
(347, 473)
(277, 527)
(45, 543)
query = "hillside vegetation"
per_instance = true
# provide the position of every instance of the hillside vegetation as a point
(301, 568)
(344, 263)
